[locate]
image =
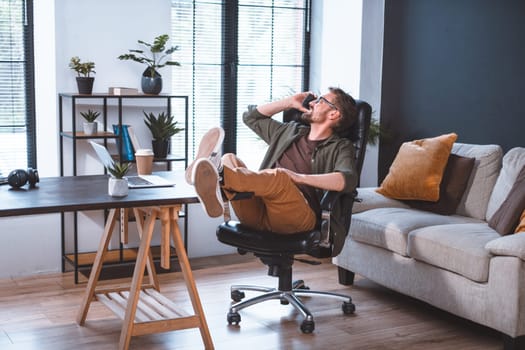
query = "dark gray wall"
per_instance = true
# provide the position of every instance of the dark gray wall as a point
(453, 66)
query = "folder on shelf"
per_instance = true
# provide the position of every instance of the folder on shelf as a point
(125, 147)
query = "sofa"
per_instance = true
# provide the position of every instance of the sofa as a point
(457, 262)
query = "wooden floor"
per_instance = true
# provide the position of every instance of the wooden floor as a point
(38, 312)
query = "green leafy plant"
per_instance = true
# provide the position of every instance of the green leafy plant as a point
(90, 116)
(83, 69)
(158, 51)
(375, 132)
(162, 127)
(119, 170)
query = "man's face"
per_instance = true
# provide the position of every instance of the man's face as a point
(320, 109)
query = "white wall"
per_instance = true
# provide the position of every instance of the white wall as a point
(371, 69)
(337, 59)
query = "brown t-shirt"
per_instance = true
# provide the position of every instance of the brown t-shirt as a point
(298, 158)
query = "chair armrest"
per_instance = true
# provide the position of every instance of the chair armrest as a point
(510, 245)
(327, 202)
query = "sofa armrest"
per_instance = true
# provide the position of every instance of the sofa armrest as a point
(510, 245)
(367, 198)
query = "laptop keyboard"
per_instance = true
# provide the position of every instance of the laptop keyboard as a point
(138, 181)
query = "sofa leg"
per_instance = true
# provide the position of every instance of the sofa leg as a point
(346, 277)
(510, 343)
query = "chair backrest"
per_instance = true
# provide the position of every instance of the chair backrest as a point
(358, 133)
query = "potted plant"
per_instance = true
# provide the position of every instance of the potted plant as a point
(90, 124)
(84, 71)
(151, 82)
(162, 128)
(118, 184)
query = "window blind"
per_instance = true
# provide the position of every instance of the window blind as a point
(17, 137)
(235, 53)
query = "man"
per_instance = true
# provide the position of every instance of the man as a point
(303, 160)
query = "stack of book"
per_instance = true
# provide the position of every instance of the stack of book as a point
(123, 91)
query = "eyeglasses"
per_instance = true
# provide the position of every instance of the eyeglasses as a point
(321, 98)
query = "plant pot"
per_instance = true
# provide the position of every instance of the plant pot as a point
(151, 85)
(160, 148)
(85, 85)
(90, 128)
(118, 187)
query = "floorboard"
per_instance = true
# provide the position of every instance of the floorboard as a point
(38, 312)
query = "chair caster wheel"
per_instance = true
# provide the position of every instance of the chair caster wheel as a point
(237, 295)
(299, 284)
(348, 308)
(307, 327)
(233, 318)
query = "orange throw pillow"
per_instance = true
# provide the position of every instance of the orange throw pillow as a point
(418, 168)
(521, 225)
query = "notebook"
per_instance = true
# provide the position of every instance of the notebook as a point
(134, 181)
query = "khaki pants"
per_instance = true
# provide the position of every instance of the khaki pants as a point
(277, 205)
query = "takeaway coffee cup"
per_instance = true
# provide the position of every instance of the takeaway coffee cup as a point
(144, 158)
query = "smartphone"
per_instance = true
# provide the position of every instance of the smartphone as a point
(306, 102)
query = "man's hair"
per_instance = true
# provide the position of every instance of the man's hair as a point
(347, 107)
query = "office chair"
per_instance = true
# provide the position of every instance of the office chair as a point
(278, 251)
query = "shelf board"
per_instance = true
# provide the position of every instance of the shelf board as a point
(152, 306)
(81, 135)
(113, 256)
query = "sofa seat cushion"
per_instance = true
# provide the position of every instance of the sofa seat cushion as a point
(459, 248)
(388, 228)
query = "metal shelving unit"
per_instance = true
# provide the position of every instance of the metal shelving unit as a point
(121, 255)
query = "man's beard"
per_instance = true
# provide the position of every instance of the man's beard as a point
(306, 117)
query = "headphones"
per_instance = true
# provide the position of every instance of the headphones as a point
(19, 177)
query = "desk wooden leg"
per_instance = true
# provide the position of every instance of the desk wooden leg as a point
(165, 239)
(152, 273)
(97, 266)
(188, 278)
(136, 282)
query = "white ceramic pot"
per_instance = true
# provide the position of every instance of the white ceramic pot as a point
(90, 128)
(118, 187)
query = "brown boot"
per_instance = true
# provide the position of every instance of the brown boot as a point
(209, 148)
(206, 181)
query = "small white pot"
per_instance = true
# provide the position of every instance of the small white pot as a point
(118, 187)
(90, 128)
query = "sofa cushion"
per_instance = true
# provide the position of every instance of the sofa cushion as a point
(452, 187)
(388, 228)
(521, 225)
(459, 248)
(417, 169)
(507, 217)
(484, 175)
(513, 162)
(368, 198)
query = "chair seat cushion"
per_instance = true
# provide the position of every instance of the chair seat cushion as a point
(235, 234)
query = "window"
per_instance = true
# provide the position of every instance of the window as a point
(17, 134)
(234, 53)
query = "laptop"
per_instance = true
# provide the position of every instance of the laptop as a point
(134, 181)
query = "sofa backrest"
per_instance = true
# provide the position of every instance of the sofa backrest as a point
(513, 162)
(482, 180)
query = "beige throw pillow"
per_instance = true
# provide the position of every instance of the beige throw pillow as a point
(418, 168)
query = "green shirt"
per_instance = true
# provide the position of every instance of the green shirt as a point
(331, 155)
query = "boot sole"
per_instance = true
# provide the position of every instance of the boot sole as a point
(207, 187)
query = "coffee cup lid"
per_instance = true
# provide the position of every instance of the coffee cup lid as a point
(144, 152)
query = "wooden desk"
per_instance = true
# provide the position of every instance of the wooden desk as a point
(142, 307)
